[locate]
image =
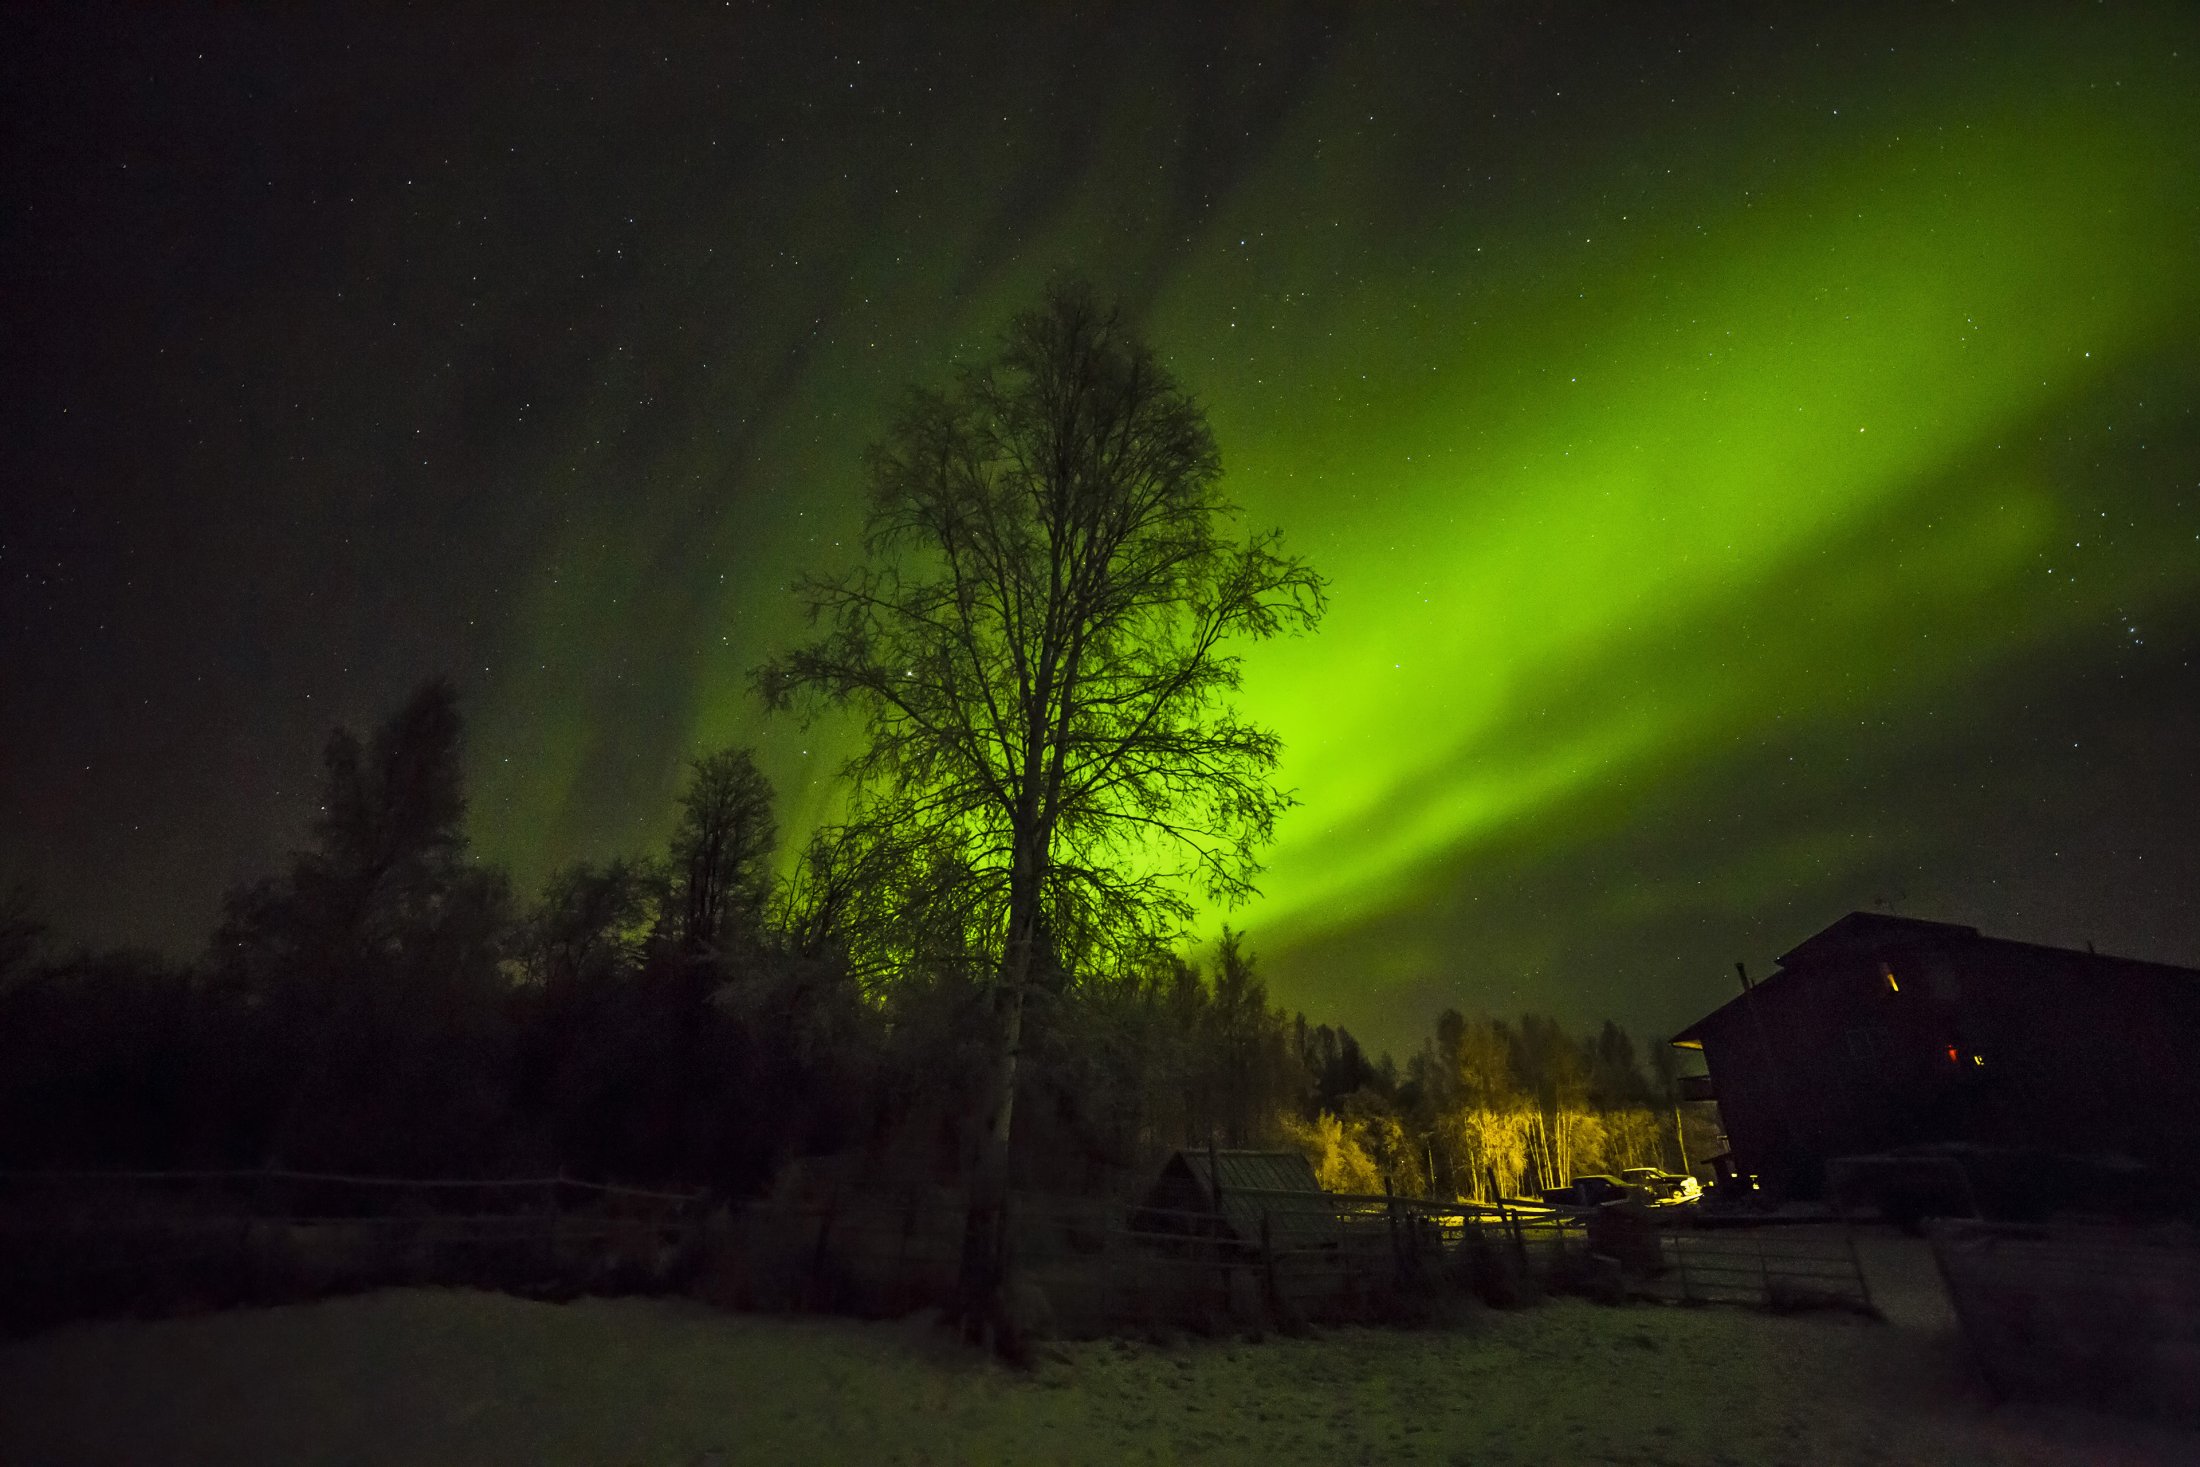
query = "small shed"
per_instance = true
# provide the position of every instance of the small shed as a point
(1226, 1193)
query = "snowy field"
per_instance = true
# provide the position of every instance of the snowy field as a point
(440, 1376)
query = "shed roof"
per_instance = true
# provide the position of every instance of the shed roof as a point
(1255, 1171)
(1279, 1185)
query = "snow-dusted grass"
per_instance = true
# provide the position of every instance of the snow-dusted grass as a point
(444, 1376)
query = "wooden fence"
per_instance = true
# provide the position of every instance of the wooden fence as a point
(74, 1243)
(1105, 1265)
(1772, 1267)
(79, 1243)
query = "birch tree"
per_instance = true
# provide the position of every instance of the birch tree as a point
(1038, 644)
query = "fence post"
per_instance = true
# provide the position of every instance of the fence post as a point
(817, 1252)
(904, 1291)
(556, 1187)
(1856, 1261)
(248, 1264)
(1214, 1185)
(1268, 1267)
(1390, 1215)
(1221, 1221)
(1509, 1218)
(257, 1205)
(1848, 1237)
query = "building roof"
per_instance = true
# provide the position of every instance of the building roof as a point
(1872, 930)
(1254, 1171)
(1253, 1184)
(1875, 931)
(1857, 932)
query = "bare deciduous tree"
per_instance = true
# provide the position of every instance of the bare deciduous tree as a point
(721, 851)
(1036, 642)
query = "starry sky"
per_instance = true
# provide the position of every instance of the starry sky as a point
(1753, 448)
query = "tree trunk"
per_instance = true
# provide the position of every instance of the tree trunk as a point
(985, 1259)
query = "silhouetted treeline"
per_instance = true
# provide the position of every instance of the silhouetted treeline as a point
(388, 1004)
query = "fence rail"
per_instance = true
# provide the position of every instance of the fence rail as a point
(1778, 1270)
(1105, 1264)
(75, 1242)
(276, 1174)
(78, 1243)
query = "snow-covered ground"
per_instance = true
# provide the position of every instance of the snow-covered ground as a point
(442, 1376)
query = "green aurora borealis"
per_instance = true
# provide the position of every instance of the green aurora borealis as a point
(1745, 456)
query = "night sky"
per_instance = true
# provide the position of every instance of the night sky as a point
(1754, 453)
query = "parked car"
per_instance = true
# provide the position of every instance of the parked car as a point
(1672, 1189)
(1595, 1190)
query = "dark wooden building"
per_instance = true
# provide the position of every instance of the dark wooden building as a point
(1887, 1031)
(1241, 1191)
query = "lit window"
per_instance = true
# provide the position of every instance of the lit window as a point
(1953, 1057)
